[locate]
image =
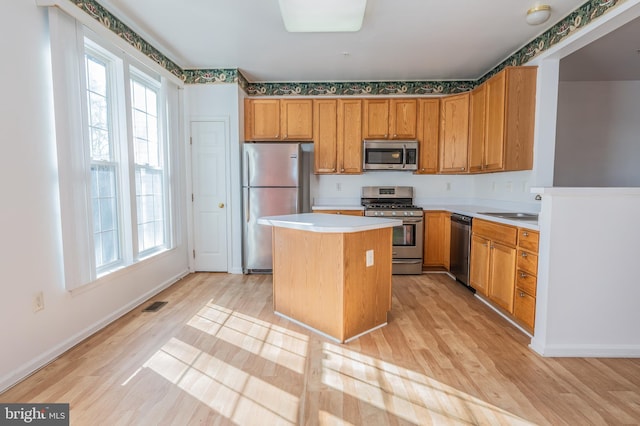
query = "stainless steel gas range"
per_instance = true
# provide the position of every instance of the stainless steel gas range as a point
(396, 202)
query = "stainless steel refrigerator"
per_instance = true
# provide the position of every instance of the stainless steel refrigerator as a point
(275, 181)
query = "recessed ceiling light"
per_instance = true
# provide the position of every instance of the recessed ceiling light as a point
(322, 15)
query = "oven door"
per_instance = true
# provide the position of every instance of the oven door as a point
(408, 239)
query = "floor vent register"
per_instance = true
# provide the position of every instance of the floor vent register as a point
(154, 307)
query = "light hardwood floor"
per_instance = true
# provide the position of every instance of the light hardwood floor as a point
(216, 354)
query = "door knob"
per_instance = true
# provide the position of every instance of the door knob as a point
(221, 205)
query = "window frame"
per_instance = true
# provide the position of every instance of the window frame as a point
(122, 71)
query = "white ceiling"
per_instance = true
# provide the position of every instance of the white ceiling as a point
(400, 40)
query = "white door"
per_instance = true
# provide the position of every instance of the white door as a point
(209, 163)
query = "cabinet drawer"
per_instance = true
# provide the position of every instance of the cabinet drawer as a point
(524, 309)
(497, 232)
(528, 239)
(345, 212)
(528, 262)
(526, 282)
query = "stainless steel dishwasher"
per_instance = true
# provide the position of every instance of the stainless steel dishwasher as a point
(460, 247)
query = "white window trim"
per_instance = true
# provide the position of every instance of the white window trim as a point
(70, 9)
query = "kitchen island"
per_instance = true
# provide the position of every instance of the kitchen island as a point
(332, 273)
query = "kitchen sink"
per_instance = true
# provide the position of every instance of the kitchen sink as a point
(512, 215)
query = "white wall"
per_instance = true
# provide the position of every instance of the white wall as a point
(588, 292)
(205, 102)
(31, 257)
(597, 134)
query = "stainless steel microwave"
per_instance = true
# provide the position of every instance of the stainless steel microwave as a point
(390, 155)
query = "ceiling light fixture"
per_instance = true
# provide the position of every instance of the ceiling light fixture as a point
(538, 14)
(322, 15)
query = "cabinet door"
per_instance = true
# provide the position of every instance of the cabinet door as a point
(454, 133)
(428, 129)
(495, 140)
(479, 264)
(477, 128)
(403, 114)
(296, 119)
(376, 119)
(502, 272)
(520, 113)
(325, 137)
(350, 135)
(434, 238)
(262, 119)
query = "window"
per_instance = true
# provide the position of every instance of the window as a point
(114, 151)
(149, 172)
(116, 123)
(104, 165)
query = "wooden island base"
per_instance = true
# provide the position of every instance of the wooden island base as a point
(321, 279)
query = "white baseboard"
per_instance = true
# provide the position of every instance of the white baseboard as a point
(586, 351)
(41, 361)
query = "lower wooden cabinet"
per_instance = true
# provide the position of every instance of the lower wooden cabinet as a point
(437, 237)
(526, 278)
(503, 268)
(493, 262)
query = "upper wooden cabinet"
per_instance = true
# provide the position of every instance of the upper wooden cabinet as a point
(337, 135)
(502, 121)
(454, 133)
(325, 135)
(428, 130)
(390, 118)
(477, 133)
(350, 135)
(278, 119)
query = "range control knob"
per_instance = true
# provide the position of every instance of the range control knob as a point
(393, 213)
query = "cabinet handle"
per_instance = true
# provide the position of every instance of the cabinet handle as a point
(521, 294)
(492, 247)
(462, 168)
(524, 254)
(523, 275)
(342, 170)
(395, 135)
(525, 234)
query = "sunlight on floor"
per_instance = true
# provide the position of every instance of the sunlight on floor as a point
(376, 387)
(228, 390)
(276, 344)
(404, 393)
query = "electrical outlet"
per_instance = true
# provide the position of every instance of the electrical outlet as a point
(338, 186)
(447, 186)
(38, 302)
(369, 258)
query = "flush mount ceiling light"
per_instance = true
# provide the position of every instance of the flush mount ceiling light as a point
(538, 14)
(322, 15)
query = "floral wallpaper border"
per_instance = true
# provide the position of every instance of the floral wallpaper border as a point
(576, 20)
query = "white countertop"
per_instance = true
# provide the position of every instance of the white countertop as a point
(465, 209)
(329, 223)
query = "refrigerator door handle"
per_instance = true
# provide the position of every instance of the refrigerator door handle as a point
(246, 169)
(246, 204)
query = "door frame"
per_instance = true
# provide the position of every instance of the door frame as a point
(188, 199)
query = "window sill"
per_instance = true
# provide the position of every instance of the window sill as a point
(118, 272)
